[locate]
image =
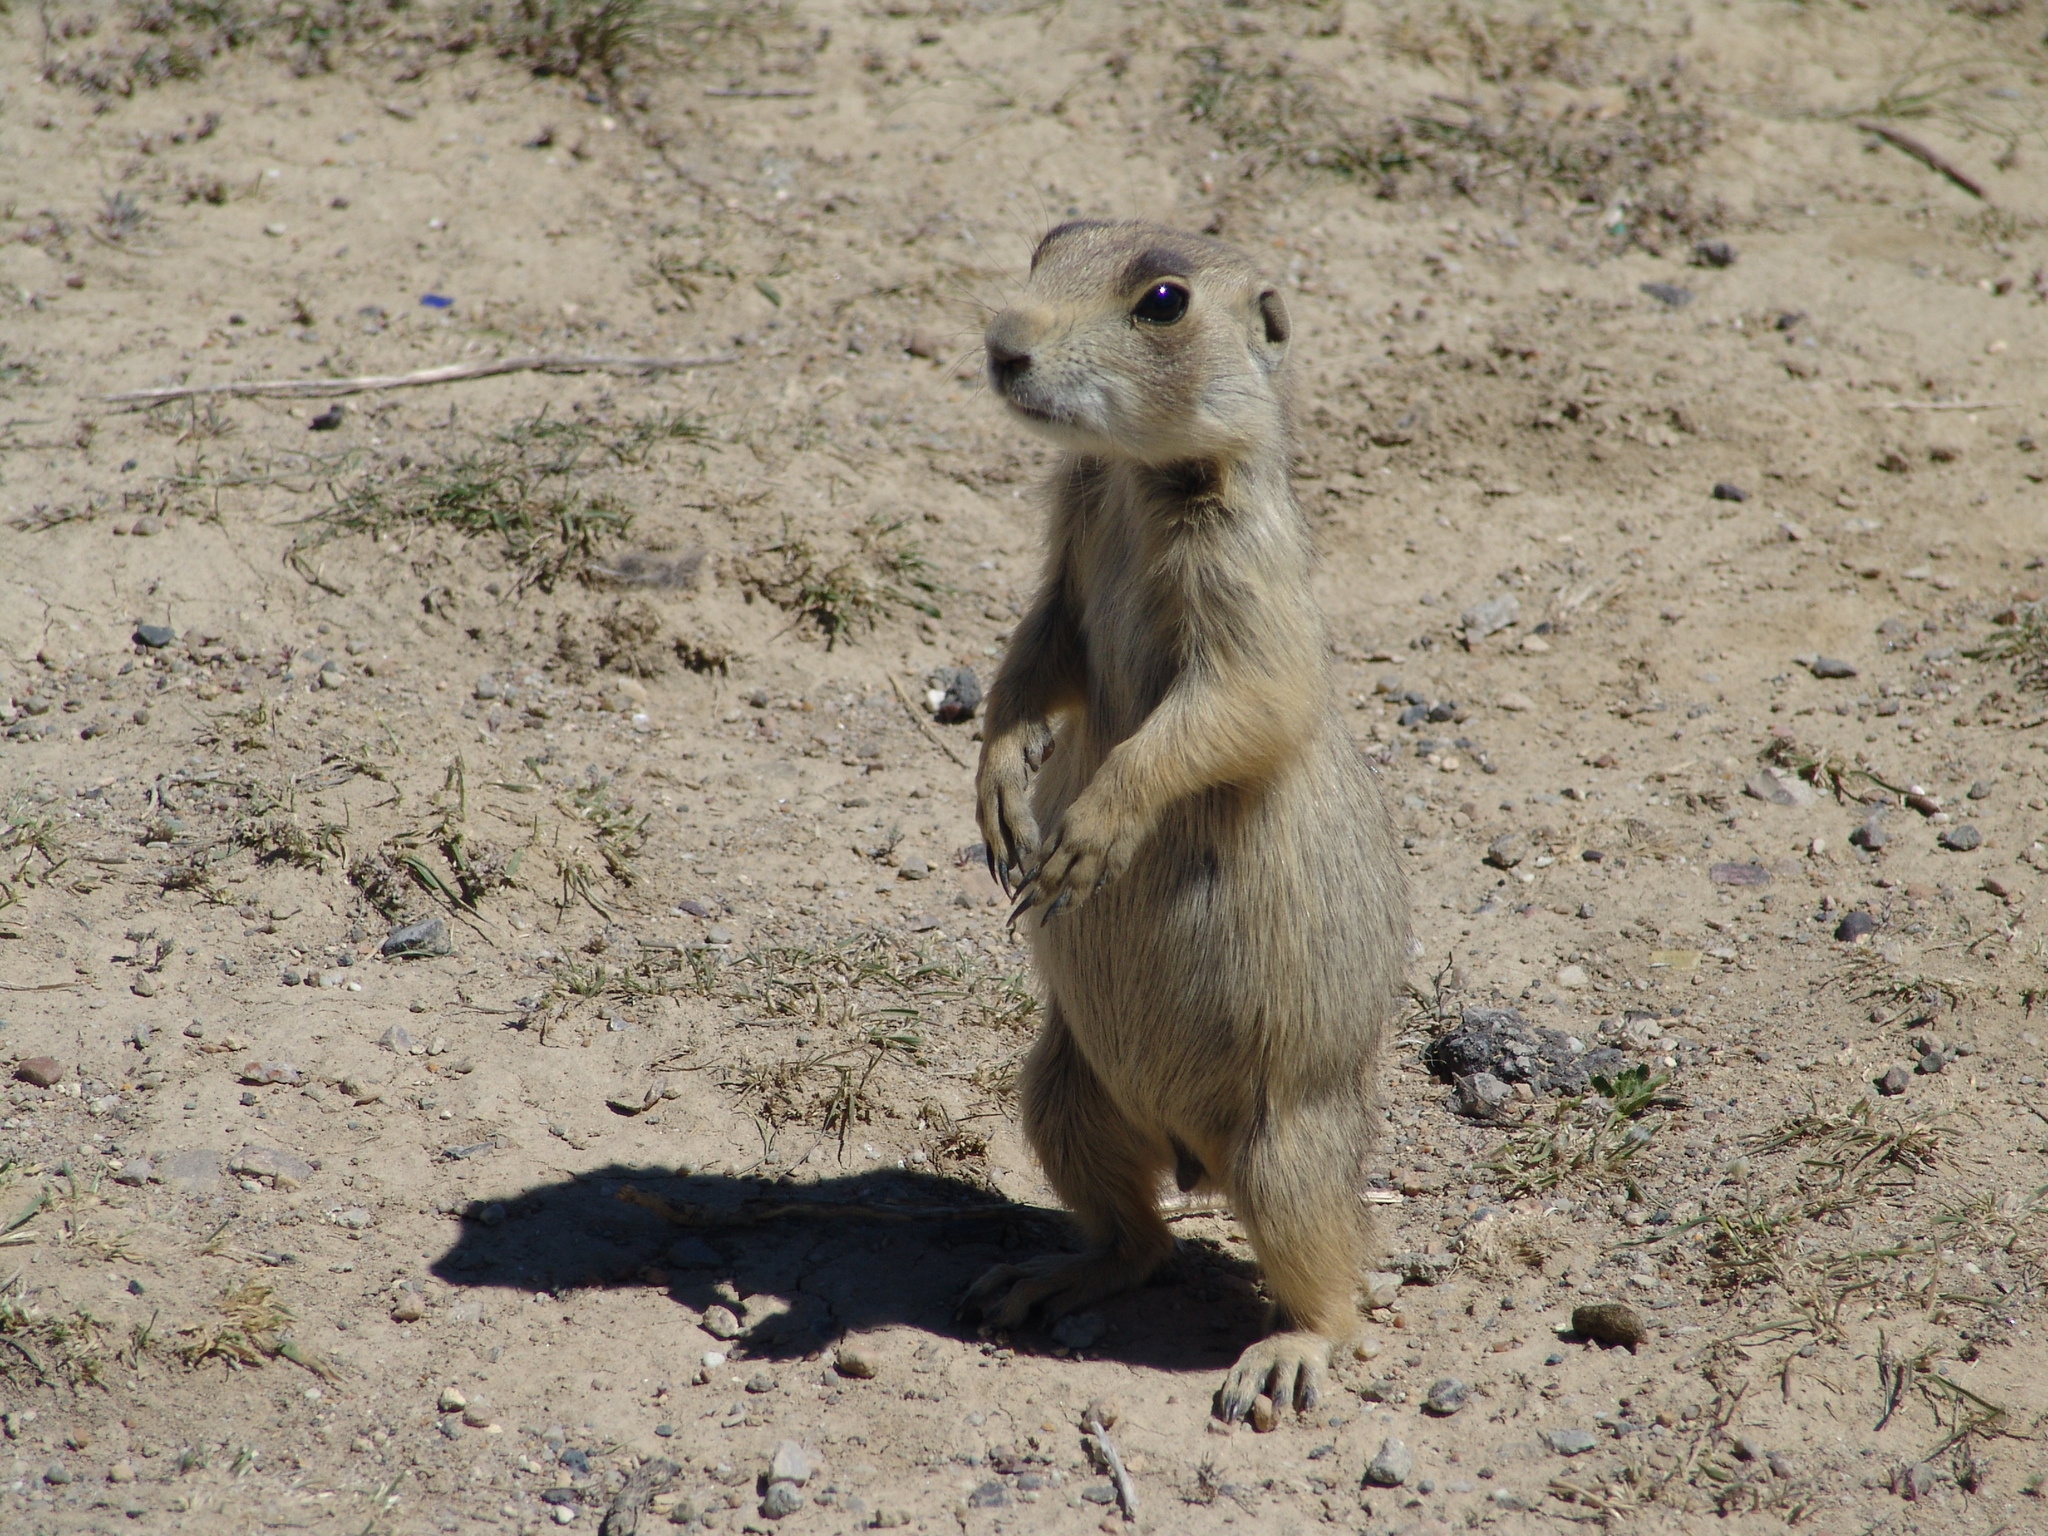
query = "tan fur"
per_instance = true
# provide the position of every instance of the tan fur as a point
(1215, 906)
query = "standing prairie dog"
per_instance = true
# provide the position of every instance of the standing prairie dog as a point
(1216, 906)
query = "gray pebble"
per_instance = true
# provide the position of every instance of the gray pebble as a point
(720, 1323)
(1830, 666)
(791, 1463)
(1854, 926)
(1713, 253)
(1725, 490)
(1931, 1063)
(959, 693)
(1446, 1397)
(1981, 790)
(57, 1474)
(1962, 839)
(1390, 1468)
(1483, 619)
(1482, 1096)
(993, 1495)
(1895, 1081)
(1670, 295)
(782, 1500)
(135, 1172)
(397, 1038)
(760, 1383)
(1099, 1493)
(426, 937)
(155, 636)
(1507, 850)
(913, 868)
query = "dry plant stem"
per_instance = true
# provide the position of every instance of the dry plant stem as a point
(918, 720)
(1932, 159)
(454, 373)
(1126, 1495)
(1945, 405)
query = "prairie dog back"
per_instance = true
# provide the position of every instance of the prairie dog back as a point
(1204, 863)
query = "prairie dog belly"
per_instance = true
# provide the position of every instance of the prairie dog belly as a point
(1223, 969)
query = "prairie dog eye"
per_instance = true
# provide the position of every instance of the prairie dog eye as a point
(1162, 304)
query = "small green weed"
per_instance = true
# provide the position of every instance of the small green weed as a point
(884, 572)
(1590, 1139)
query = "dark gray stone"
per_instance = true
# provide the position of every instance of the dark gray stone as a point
(1570, 1442)
(155, 636)
(1501, 1042)
(1854, 926)
(782, 1501)
(1896, 1080)
(1725, 490)
(959, 692)
(1446, 1397)
(1713, 253)
(1670, 295)
(429, 936)
(1830, 666)
(1962, 839)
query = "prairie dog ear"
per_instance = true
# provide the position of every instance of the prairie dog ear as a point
(1272, 347)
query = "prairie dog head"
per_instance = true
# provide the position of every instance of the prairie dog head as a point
(1139, 342)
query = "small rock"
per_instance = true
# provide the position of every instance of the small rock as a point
(426, 937)
(1391, 1466)
(1725, 490)
(1501, 1042)
(854, 1362)
(122, 1471)
(720, 1322)
(1491, 616)
(1855, 926)
(760, 1383)
(135, 1172)
(1781, 1465)
(1507, 850)
(913, 868)
(282, 1168)
(1262, 1417)
(42, 1071)
(1573, 978)
(408, 1308)
(1980, 790)
(1081, 1330)
(1482, 1096)
(1099, 1493)
(1829, 666)
(953, 693)
(1896, 1080)
(1931, 1063)
(1871, 835)
(1446, 1397)
(1739, 874)
(989, 1495)
(1569, 1442)
(57, 1474)
(1670, 295)
(1713, 253)
(1517, 703)
(1382, 1288)
(1745, 1448)
(924, 343)
(790, 1463)
(1962, 839)
(1774, 786)
(478, 1414)
(143, 985)
(1613, 1323)
(397, 1038)
(191, 1173)
(155, 636)
(453, 1400)
(266, 1072)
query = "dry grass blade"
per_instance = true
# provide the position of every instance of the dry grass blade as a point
(1853, 1145)
(2022, 645)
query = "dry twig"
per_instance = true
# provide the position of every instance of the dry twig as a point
(453, 373)
(1932, 159)
(1098, 1436)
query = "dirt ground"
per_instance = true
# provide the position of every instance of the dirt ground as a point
(1672, 439)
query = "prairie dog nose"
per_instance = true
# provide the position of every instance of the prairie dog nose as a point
(1009, 352)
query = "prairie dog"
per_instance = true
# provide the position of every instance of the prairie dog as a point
(1205, 866)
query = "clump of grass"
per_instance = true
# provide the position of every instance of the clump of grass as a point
(883, 572)
(251, 1329)
(278, 838)
(1855, 1146)
(829, 1088)
(595, 38)
(1591, 1139)
(28, 839)
(2021, 645)
(518, 485)
(120, 215)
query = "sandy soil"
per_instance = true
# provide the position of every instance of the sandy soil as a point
(690, 1142)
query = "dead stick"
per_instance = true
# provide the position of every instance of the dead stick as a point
(453, 373)
(1944, 405)
(1126, 1495)
(918, 721)
(1930, 158)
